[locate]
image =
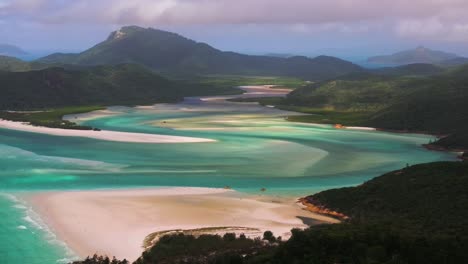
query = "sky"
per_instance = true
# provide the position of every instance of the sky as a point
(344, 28)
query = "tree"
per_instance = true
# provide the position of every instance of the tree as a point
(268, 235)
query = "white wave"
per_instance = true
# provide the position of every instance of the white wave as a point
(67, 260)
(19, 206)
(10, 152)
(34, 222)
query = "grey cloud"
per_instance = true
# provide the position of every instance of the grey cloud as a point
(406, 16)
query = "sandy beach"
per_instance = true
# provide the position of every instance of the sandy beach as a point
(265, 90)
(101, 135)
(116, 222)
(361, 128)
(252, 91)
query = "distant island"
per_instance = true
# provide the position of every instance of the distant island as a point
(418, 55)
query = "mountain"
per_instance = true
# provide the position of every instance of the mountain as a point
(99, 85)
(418, 55)
(10, 50)
(169, 52)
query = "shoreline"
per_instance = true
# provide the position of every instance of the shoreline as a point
(429, 146)
(117, 222)
(106, 135)
(320, 209)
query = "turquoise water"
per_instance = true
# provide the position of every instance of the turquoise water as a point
(256, 148)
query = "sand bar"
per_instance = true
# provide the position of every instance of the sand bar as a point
(265, 90)
(361, 128)
(252, 91)
(102, 135)
(115, 222)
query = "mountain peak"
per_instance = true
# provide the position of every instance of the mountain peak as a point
(170, 52)
(132, 28)
(124, 32)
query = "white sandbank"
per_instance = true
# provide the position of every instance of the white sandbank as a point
(264, 89)
(361, 128)
(101, 135)
(251, 91)
(115, 222)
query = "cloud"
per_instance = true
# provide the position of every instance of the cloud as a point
(433, 29)
(422, 18)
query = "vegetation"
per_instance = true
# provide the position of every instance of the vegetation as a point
(426, 199)
(180, 248)
(101, 260)
(102, 85)
(171, 53)
(357, 93)
(50, 118)
(366, 244)
(174, 249)
(325, 116)
(13, 64)
(435, 104)
(415, 69)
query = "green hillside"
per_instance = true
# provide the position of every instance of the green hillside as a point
(432, 104)
(171, 53)
(13, 64)
(436, 104)
(427, 198)
(415, 69)
(101, 85)
(363, 93)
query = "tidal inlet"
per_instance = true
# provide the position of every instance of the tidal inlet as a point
(243, 173)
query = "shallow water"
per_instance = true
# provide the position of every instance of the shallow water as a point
(256, 148)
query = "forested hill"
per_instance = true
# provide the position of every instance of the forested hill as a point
(435, 104)
(100, 85)
(13, 64)
(428, 199)
(432, 104)
(169, 52)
